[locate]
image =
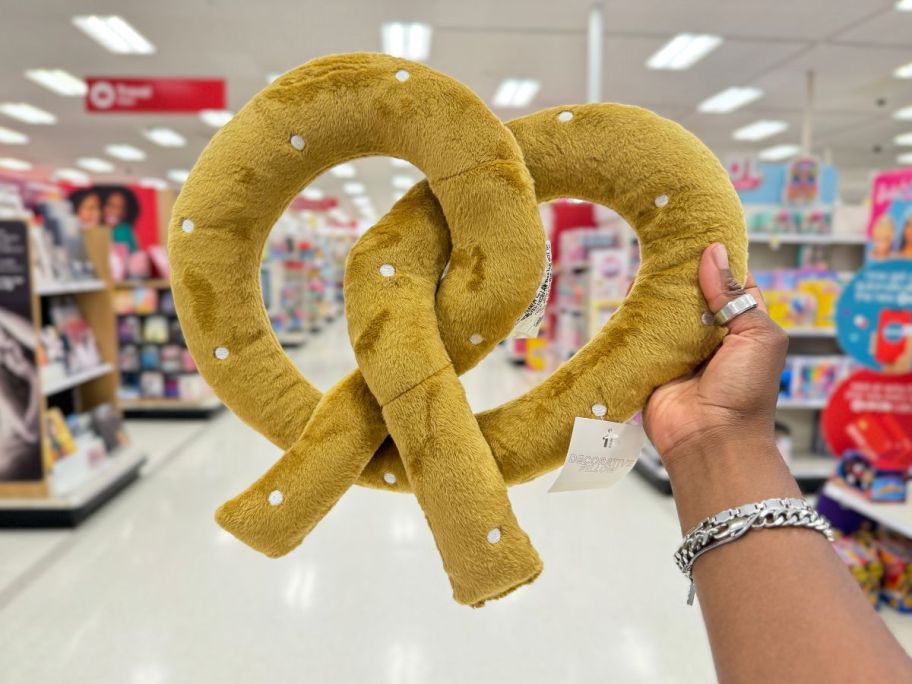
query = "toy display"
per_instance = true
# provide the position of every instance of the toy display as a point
(413, 333)
(801, 298)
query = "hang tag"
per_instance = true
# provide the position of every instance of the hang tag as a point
(600, 454)
(531, 320)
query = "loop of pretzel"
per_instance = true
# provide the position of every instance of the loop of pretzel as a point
(401, 421)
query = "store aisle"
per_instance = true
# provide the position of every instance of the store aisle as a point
(151, 591)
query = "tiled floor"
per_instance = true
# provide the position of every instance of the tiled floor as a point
(150, 591)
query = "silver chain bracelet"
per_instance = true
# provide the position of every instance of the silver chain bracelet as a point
(734, 523)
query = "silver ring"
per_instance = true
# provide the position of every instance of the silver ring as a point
(735, 308)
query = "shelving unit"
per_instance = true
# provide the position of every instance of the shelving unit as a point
(33, 502)
(775, 239)
(895, 516)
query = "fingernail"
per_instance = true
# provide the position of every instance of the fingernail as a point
(720, 256)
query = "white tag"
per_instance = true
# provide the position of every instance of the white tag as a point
(600, 454)
(529, 323)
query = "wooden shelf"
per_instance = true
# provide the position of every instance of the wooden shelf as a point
(121, 468)
(896, 516)
(157, 284)
(798, 239)
(76, 287)
(170, 408)
(76, 379)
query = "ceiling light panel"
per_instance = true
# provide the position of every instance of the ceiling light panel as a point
(760, 130)
(729, 100)
(164, 137)
(905, 158)
(778, 152)
(343, 171)
(10, 137)
(410, 40)
(154, 183)
(179, 175)
(13, 164)
(683, 51)
(216, 117)
(72, 176)
(58, 81)
(904, 71)
(115, 34)
(312, 193)
(516, 92)
(353, 188)
(22, 111)
(95, 164)
(403, 182)
(125, 152)
(904, 139)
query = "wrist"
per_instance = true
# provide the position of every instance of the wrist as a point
(720, 473)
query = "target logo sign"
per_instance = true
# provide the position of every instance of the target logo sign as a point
(109, 94)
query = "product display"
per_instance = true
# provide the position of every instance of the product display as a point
(263, 516)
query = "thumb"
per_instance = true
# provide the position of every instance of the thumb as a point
(719, 287)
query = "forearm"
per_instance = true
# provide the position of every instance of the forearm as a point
(762, 595)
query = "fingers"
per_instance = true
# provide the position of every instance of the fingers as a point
(720, 287)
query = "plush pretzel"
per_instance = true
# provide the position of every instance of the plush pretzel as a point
(409, 345)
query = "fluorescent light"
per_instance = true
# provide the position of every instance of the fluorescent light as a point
(403, 182)
(165, 137)
(410, 40)
(683, 51)
(361, 201)
(905, 158)
(729, 100)
(179, 175)
(516, 92)
(400, 163)
(272, 77)
(904, 5)
(398, 196)
(343, 171)
(759, 130)
(72, 175)
(904, 113)
(58, 80)
(904, 139)
(353, 188)
(904, 71)
(154, 183)
(778, 152)
(11, 137)
(125, 152)
(114, 34)
(27, 113)
(215, 117)
(14, 164)
(95, 164)
(312, 193)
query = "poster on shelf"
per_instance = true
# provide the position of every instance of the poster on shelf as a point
(20, 392)
(874, 317)
(871, 414)
(797, 197)
(129, 211)
(890, 221)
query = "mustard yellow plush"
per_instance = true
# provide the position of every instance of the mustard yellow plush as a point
(411, 345)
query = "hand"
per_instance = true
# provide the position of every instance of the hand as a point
(732, 398)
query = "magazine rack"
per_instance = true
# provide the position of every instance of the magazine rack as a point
(38, 502)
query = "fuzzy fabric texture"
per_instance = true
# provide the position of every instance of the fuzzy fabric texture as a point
(478, 212)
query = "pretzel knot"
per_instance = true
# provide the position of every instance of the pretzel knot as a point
(401, 421)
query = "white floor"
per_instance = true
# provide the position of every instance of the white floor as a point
(150, 591)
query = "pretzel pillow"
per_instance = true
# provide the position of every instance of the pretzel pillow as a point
(410, 345)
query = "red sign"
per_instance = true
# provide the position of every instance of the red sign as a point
(303, 204)
(154, 94)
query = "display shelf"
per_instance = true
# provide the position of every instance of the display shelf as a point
(155, 284)
(120, 469)
(76, 379)
(802, 404)
(295, 338)
(76, 287)
(895, 516)
(170, 408)
(811, 332)
(798, 239)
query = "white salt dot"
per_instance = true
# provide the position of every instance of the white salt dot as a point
(661, 201)
(494, 535)
(476, 339)
(297, 142)
(389, 478)
(187, 226)
(387, 271)
(564, 117)
(275, 497)
(599, 410)
(221, 353)
(402, 75)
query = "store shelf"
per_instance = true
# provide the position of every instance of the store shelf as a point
(76, 287)
(170, 408)
(811, 332)
(157, 284)
(76, 379)
(119, 470)
(292, 338)
(896, 516)
(798, 239)
(802, 404)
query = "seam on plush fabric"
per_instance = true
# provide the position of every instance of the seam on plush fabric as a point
(416, 385)
(493, 162)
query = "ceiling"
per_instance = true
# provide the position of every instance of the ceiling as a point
(851, 45)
